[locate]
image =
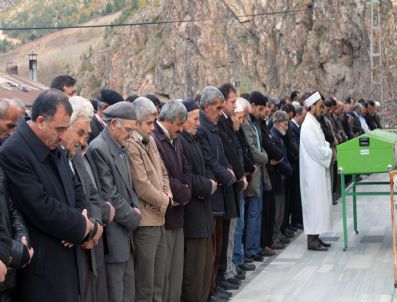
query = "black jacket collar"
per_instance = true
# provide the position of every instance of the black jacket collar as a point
(40, 150)
(206, 121)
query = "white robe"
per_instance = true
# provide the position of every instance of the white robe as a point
(315, 181)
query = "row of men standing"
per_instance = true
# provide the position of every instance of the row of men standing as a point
(152, 210)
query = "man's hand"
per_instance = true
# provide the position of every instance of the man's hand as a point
(30, 249)
(137, 211)
(112, 212)
(274, 162)
(88, 227)
(3, 271)
(233, 175)
(214, 186)
(89, 224)
(94, 241)
(245, 183)
(67, 244)
(98, 234)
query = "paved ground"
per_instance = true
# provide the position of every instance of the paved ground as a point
(363, 273)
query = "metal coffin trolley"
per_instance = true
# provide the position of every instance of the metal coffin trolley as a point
(374, 152)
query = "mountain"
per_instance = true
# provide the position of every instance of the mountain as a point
(174, 48)
(273, 46)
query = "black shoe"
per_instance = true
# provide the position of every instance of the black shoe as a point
(314, 245)
(292, 228)
(240, 271)
(322, 243)
(240, 277)
(222, 296)
(247, 267)
(277, 246)
(267, 252)
(228, 286)
(234, 280)
(284, 240)
(289, 234)
(248, 259)
(299, 226)
(258, 258)
(223, 291)
(215, 298)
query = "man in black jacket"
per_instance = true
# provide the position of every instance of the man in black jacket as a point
(282, 170)
(269, 204)
(232, 194)
(5, 247)
(211, 104)
(51, 199)
(198, 214)
(14, 224)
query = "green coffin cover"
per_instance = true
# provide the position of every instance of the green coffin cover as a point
(374, 152)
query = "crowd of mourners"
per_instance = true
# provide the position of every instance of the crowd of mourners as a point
(133, 199)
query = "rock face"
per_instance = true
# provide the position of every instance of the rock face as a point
(5, 4)
(317, 45)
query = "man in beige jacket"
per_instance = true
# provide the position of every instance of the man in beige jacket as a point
(150, 180)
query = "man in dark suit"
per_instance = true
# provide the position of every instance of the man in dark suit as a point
(230, 143)
(107, 98)
(5, 247)
(296, 204)
(52, 200)
(14, 224)
(211, 104)
(94, 278)
(198, 214)
(107, 155)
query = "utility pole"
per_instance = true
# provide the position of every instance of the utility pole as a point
(376, 54)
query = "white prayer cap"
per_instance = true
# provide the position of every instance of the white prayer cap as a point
(296, 104)
(239, 105)
(315, 97)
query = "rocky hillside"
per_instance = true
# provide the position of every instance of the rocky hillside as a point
(318, 45)
(5, 4)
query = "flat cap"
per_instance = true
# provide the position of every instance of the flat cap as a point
(122, 110)
(110, 97)
(190, 105)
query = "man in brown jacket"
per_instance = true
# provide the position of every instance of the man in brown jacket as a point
(150, 180)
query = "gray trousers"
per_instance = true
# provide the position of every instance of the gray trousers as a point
(278, 221)
(121, 281)
(197, 270)
(230, 267)
(150, 249)
(173, 265)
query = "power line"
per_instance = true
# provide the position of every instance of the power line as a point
(151, 22)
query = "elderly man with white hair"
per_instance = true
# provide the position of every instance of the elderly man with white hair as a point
(150, 180)
(246, 160)
(74, 142)
(315, 179)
